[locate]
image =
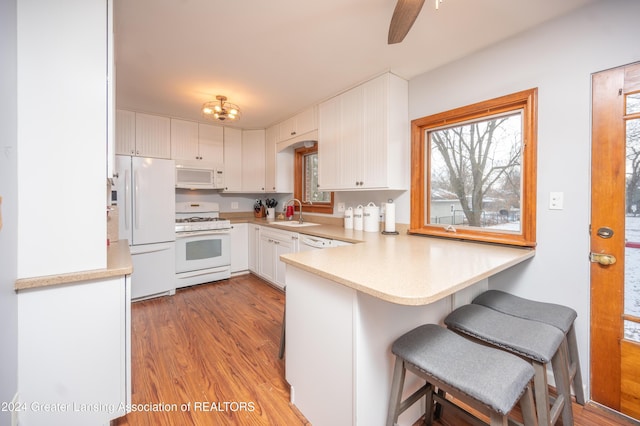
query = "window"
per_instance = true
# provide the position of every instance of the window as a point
(474, 174)
(306, 182)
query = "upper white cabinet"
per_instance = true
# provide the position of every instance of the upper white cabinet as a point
(253, 160)
(301, 123)
(211, 143)
(184, 140)
(278, 163)
(363, 137)
(195, 141)
(153, 136)
(125, 132)
(143, 135)
(232, 159)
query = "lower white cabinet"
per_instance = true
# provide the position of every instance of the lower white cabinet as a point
(239, 252)
(253, 236)
(273, 244)
(74, 345)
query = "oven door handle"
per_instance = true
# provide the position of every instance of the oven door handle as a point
(199, 233)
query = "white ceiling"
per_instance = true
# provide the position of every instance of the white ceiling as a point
(275, 58)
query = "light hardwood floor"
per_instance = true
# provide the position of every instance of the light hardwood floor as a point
(209, 356)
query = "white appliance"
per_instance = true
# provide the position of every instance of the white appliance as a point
(199, 175)
(203, 244)
(146, 201)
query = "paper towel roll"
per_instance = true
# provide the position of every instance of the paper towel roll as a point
(390, 217)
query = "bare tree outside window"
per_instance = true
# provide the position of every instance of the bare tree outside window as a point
(478, 166)
(633, 156)
(473, 174)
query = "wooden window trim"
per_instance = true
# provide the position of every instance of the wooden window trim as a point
(326, 208)
(525, 100)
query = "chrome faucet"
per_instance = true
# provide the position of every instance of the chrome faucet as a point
(294, 200)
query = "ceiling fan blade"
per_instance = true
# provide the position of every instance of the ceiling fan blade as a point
(404, 16)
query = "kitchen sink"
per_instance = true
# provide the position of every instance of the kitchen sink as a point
(295, 224)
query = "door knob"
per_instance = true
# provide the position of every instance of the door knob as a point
(602, 258)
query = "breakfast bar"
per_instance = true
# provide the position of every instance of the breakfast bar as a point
(346, 305)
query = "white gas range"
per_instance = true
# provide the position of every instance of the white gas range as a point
(203, 244)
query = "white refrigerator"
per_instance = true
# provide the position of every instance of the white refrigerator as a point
(146, 203)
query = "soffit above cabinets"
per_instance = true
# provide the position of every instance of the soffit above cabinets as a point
(285, 56)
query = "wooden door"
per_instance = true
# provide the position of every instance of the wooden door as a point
(615, 239)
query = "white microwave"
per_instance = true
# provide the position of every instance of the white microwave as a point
(199, 176)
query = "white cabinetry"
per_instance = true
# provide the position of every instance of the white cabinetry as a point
(153, 136)
(74, 346)
(253, 239)
(196, 141)
(142, 135)
(232, 159)
(278, 164)
(184, 140)
(239, 251)
(253, 160)
(273, 244)
(125, 132)
(301, 123)
(211, 143)
(363, 137)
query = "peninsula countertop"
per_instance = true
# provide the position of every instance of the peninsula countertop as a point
(403, 269)
(118, 263)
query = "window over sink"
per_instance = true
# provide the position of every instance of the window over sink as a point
(306, 182)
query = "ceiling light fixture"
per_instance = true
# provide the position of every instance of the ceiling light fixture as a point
(220, 110)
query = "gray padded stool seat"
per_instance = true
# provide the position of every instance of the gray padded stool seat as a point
(487, 379)
(559, 316)
(539, 343)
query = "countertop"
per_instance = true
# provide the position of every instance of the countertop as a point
(402, 269)
(118, 263)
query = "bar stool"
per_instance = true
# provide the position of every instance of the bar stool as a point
(559, 316)
(489, 380)
(539, 343)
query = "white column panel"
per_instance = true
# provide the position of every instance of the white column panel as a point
(62, 136)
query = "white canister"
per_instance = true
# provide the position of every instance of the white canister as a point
(348, 218)
(357, 218)
(371, 219)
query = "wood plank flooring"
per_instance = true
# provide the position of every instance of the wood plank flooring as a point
(209, 356)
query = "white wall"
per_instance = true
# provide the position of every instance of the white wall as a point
(9, 208)
(559, 59)
(62, 136)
